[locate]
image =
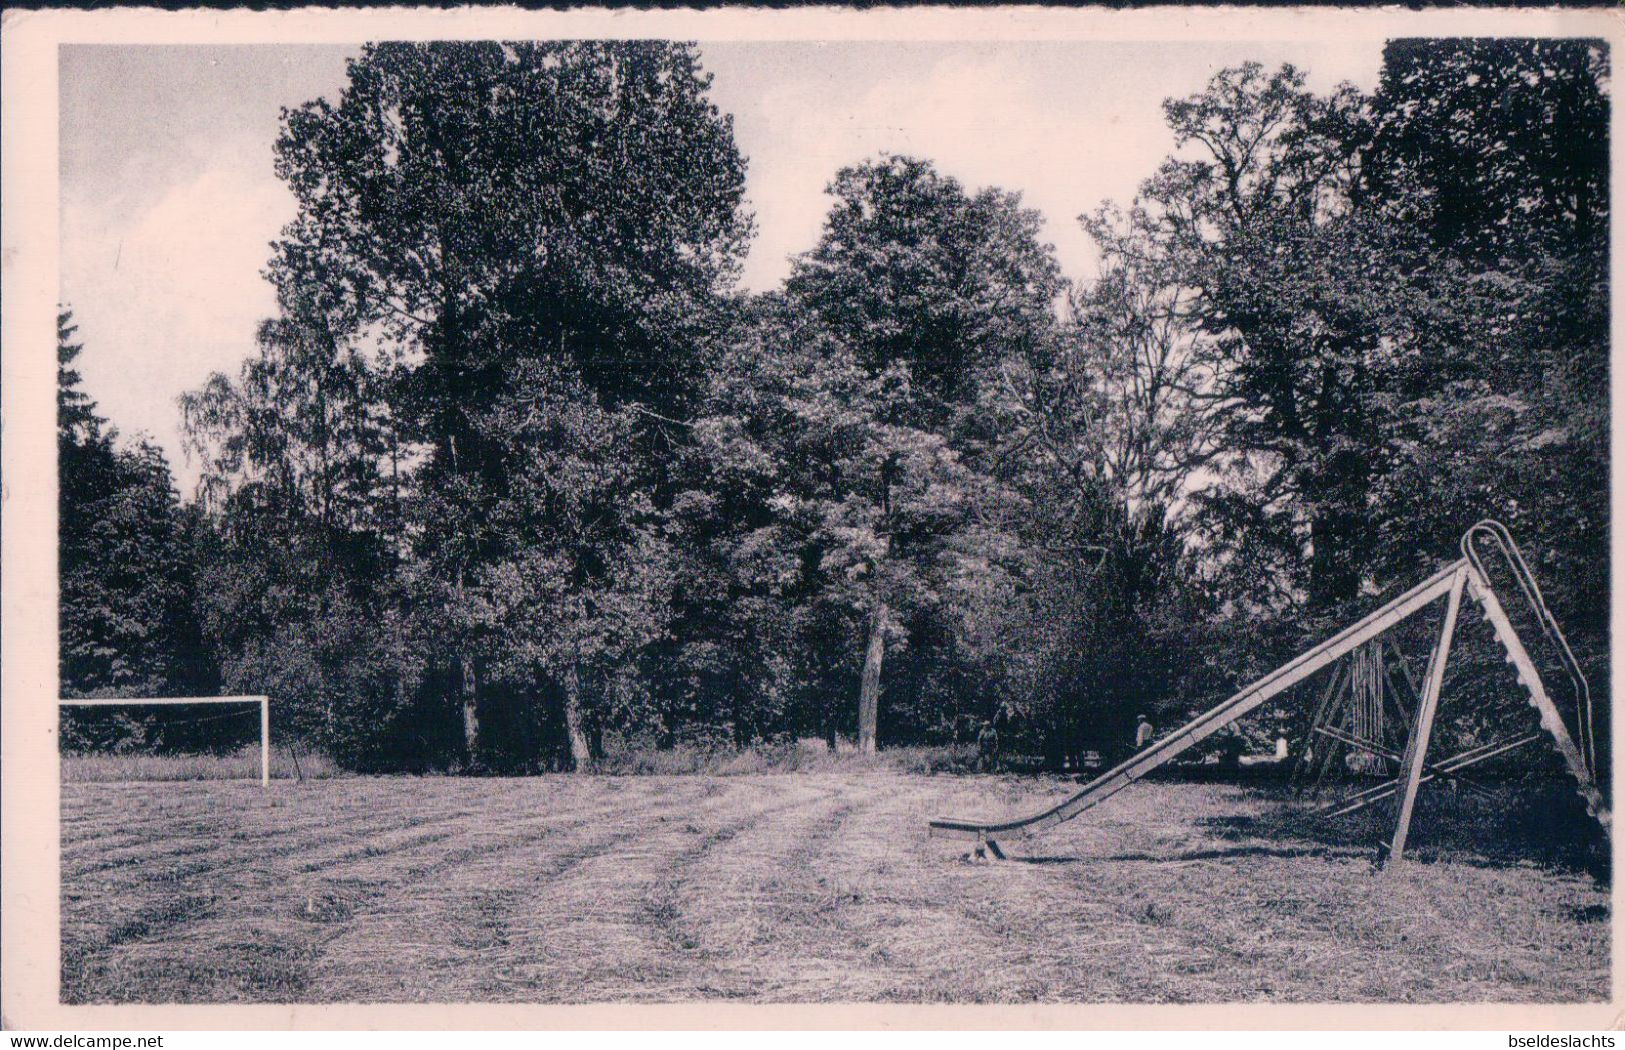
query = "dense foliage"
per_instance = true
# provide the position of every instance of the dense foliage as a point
(516, 469)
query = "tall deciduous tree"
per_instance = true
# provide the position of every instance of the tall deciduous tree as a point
(913, 270)
(1311, 303)
(300, 469)
(1499, 145)
(1395, 303)
(924, 288)
(1099, 431)
(1497, 150)
(585, 587)
(476, 214)
(861, 502)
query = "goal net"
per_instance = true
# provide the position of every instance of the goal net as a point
(231, 707)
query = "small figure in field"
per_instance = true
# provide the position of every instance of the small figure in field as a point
(1230, 750)
(1143, 734)
(987, 749)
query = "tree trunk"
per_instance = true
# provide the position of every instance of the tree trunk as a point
(869, 693)
(471, 711)
(1339, 553)
(580, 752)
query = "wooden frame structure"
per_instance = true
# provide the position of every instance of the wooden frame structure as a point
(176, 701)
(1466, 576)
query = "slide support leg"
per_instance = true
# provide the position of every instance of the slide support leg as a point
(1416, 750)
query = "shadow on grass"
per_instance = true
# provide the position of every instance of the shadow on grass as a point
(1540, 823)
(1182, 856)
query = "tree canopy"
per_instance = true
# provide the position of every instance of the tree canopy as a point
(516, 475)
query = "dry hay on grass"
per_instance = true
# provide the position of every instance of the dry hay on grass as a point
(636, 758)
(794, 888)
(242, 764)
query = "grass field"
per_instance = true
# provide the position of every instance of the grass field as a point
(793, 888)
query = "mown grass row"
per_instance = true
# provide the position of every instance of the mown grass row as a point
(812, 888)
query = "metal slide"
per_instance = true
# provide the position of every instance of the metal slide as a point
(1466, 574)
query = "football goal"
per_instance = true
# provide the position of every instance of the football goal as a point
(242, 702)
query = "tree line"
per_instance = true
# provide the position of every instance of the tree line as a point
(517, 468)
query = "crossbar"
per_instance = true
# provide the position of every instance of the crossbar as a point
(1449, 767)
(1380, 751)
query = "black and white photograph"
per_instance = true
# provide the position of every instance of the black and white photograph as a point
(950, 518)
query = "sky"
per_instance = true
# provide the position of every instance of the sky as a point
(169, 202)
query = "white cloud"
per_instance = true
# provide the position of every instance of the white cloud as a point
(170, 292)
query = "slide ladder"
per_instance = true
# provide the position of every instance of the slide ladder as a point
(1463, 575)
(1578, 751)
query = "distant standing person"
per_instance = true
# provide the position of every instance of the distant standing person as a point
(1143, 733)
(987, 748)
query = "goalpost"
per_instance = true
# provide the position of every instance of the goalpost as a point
(136, 701)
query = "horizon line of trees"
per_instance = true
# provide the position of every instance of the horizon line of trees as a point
(516, 467)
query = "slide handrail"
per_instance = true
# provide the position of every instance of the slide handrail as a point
(1514, 559)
